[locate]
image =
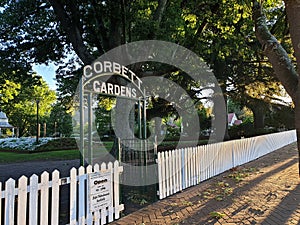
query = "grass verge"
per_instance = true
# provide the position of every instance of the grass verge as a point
(12, 157)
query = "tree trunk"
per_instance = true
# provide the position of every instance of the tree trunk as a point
(278, 57)
(158, 128)
(259, 118)
(123, 123)
(297, 122)
(259, 108)
(293, 15)
(220, 118)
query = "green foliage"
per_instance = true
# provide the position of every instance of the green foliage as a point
(9, 90)
(172, 131)
(104, 122)
(239, 175)
(138, 198)
(58, 144)
(59, 122)
(247, 129)
(217, 215)
(19, 103)
(281, 117)
(221, 32)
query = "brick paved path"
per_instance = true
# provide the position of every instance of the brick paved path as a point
(265, 191)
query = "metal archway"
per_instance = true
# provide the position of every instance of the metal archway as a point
(94, 85)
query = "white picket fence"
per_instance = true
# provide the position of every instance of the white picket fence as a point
(38, 202)
(182, 168)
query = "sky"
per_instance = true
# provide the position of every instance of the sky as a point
(47, 72)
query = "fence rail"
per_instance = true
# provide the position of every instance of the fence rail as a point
(182, 168)
(37, 202)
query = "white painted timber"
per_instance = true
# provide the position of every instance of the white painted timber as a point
(182, 168)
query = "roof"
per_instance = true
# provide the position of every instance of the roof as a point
(3, 115)
(238, 122)
(230, 116)
(4, 121)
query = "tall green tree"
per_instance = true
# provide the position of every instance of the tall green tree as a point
(286, 67)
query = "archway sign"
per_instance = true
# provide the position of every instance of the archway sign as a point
(112, 79)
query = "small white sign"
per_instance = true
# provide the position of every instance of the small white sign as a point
(100, 190)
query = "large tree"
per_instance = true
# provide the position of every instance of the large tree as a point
(286, 67)
(34, 31)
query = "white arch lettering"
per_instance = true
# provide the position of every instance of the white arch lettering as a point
(106, 68)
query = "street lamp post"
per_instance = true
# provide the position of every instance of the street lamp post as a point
(37, 121)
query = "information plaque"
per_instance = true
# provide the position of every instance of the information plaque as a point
(99, 184)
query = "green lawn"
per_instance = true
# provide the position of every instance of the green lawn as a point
(54, 154)
(11, 157)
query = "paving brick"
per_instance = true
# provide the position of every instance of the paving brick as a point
(268, 197)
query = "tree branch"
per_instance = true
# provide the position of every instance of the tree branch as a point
(278, 57)
(293, 15)
(73, 32)
(160, 11)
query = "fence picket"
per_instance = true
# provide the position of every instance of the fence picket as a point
(103, 211)
(110, 208)
(118, 207)
(192, 166)
(159, 169)
(182, 156)
(167, 173)
(186, 168)
(97, 213)
(33, 200)
(198, 162)
(176, 169)
(81, 193)
(179, 169)
(44, 198)
(191, 161)
(89, 214)
(163, 175)
(22, 200)
(73, 196)
(172, 172)
(55, 198)
(9, 201)
(0, 203)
